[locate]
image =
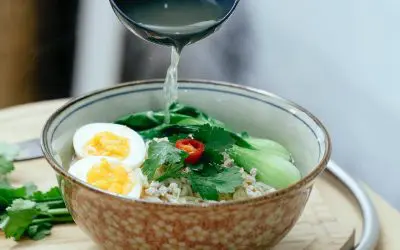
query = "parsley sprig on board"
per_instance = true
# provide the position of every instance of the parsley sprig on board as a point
(25, 211)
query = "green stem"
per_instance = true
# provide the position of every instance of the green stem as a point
(54, 203)
(53, 220)
(58, 211)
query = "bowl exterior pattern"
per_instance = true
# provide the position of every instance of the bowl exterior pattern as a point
(120, 224)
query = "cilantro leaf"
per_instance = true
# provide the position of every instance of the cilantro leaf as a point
(212, 157)
(4, 183)
(8, 151)
(38, 232)
(196, 167)
(150, 166)
(24, 211)
(172, 171)
(210, 186)
(207, 192)
(30, 188)
(31, 212)
(53, 194)
(6, 166)
(215, 138)
(211, 169)
(9, 194)
(161, 154)
(19, 216)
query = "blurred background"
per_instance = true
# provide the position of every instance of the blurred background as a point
(338, 59)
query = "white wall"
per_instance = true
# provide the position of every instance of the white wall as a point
(340, 59)
(99, 47)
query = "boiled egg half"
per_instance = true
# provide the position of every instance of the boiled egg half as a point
(110, 140)
(109, 174)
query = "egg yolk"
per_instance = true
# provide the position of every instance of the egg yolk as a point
(108, 144)
(111, 178)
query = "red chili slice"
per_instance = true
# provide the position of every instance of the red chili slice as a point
(193, 147)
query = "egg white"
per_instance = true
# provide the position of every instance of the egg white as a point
(137, 151)
(81, 167)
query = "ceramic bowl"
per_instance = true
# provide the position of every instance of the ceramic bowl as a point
(122, 223)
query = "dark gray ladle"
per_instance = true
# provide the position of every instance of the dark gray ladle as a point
(163, 37)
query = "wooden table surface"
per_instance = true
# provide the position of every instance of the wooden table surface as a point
(26, 121)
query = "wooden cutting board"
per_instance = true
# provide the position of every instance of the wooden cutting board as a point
(319, 227)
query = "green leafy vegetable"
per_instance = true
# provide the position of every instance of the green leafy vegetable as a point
(9, 194)
(7, 154)
(179, 114)
(214, 137)
(167, 130)
(244, 135)
(172, 171)
(30, 188)
(272, 169)
(161, 154)
(216, 140)
(191, 121)
(176, 137)
(196, 167)
(8, 151)
(211, 186)
(151, 124)
(38, 232)
(53, 194)
(19, 216)
(209, 177)
(147, 120)
(270, 147)
(24, 211)
(6, 166)
(4, 183)
(33, 216)
(211, 168)
(179, 108)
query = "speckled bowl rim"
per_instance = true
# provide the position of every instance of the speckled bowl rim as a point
(279, 194)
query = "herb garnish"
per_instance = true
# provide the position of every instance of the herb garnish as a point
(207, 177)
(25, 211)
(209, 187)
(162, 154)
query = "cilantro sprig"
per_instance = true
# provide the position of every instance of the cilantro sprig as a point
(163, 154)
(25, 211)
(209, 187)
(217, 140)
(7, 154)
(31, 214)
